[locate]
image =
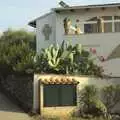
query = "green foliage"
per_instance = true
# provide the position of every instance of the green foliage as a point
(92, 118)
(67, 59)
(91, 102)
(111, 95)
(37, 117)
(52, 54)
(98, 106)
(17, 51)
(88, 95)
(18, 37)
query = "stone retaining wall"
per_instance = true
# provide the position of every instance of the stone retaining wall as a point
(20, 89)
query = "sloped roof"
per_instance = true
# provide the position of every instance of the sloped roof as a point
(59, 9)
(87, 6)
(33, 22)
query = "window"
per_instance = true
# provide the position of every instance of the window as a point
(107, 17)
(107, 23)
(108, 27)
(59, 95)
(117, 23)
(117, 26)
(117, 17)
(98, 24)
(90, 28)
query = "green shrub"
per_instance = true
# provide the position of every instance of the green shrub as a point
(91, 102)
(69, 118)
(111, 96)
(98, 107)
(67, 59)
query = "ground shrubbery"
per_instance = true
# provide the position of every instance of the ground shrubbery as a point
(111, 96)
(96, 102)
(90, 102)
(37, 117)
(17, 51)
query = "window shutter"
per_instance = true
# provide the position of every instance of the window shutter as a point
(68, 95)
(51, 96)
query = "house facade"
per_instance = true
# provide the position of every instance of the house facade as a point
(93, 26)
(97, 28)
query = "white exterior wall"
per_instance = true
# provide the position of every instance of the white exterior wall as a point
(40, 22)
(104, 43)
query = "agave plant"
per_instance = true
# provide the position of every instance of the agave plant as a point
(53, 56)
(67, 59)
(64, 55)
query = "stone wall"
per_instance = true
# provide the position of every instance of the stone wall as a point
(20, 89)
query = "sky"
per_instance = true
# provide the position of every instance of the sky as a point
(16, 14)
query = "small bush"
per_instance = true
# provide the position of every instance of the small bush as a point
(111, 96)
(91, 102)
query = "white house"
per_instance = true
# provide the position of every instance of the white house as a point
(94, 26)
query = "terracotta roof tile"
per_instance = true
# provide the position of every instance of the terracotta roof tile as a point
(62, 80)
